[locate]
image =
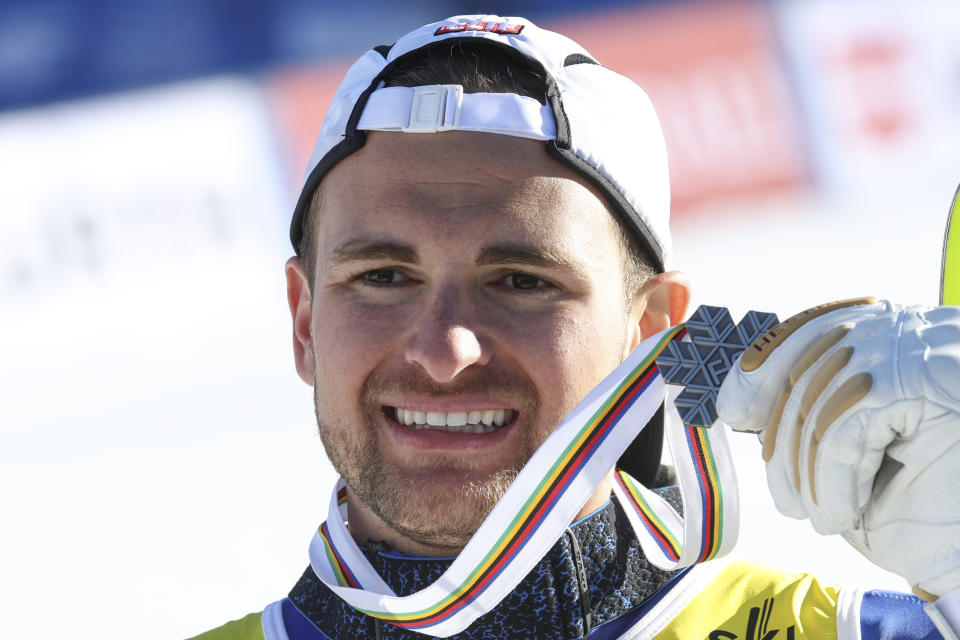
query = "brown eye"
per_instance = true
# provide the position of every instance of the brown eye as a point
(383, 276)
(524, 281)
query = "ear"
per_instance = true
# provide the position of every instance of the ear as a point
(661, 303)
(301, 310)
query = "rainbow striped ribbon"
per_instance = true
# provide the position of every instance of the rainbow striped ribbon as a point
(545, 497)
(708, 489)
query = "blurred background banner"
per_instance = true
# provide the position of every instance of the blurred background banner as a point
(113, 184)
(713, 72)
(881, 92)
(159, 465)
(56, 49)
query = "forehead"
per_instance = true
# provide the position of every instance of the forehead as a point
(460, 182)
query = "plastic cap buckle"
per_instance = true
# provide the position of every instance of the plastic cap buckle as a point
(434, 108)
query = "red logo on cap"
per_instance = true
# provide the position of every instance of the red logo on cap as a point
(481, 25)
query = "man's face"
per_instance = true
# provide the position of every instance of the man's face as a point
(468, 293)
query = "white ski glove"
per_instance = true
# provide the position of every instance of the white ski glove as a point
(857, 404)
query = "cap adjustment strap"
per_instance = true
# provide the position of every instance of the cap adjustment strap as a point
(444, 107)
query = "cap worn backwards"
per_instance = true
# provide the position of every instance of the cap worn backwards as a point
(595, 121)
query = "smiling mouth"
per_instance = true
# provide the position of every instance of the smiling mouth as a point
(485, 421)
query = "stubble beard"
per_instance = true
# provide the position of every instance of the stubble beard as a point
(411, 506)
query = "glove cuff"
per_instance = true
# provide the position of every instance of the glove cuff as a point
(945, 614)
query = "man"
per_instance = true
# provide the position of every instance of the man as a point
(482, 238)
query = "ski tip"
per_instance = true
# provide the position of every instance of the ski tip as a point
(950, 265)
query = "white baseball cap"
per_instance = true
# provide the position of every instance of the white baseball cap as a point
(594, 120)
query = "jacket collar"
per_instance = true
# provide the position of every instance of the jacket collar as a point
(592, 575)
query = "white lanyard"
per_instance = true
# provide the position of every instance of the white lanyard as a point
(545, 497)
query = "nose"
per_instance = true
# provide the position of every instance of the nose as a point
(442, 343)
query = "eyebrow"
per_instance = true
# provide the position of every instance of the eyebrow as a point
(530, 255)
(534, 256)
(356, 250)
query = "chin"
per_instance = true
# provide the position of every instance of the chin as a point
(440, 509)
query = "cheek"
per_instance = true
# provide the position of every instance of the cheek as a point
(567, 354)
(349, 341)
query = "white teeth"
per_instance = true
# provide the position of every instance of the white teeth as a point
(455, 422)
